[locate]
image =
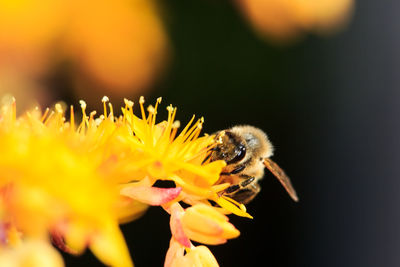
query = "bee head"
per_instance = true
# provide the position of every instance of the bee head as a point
(229, 148)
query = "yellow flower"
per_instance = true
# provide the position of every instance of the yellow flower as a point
(143, 152)
(78, 182)
(48, 186)
(283, 20)
(119, 44)
(164, 155)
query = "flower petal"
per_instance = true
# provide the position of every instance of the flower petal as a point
(58, 240)
(199, 256)
(204, 224)
(128, 209)
(205, 239)
(207, 259)
(109, 246)
(175, 251)
(176, 225)
(228, 205)
(209, 173)
(154, 196)
(191, 188)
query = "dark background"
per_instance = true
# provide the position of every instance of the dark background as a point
(329, 105)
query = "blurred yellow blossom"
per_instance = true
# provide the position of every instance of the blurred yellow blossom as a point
(31, 253)
(283, 20)
(47, 186)
(119, 44)
(73, 183)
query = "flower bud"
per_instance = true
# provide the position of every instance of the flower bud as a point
(205, 224)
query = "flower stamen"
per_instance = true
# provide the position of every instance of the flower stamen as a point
(45, 115)
(175, 125)
(13, 109)
(72, 118)
(141, 102)
(91, 116)
(47, 120)
(128, 107)
(104, 100)
(84, 122)
(111, 111)
(181, 136)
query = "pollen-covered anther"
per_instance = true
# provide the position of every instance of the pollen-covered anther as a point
(159, 99)
(220, 136)
(151, 109)
(83, 104)
(92, 114)
(170, 108)
(59, 108)
(219, 140)
(105, 99)
(98, 121)
(141, 100)
(128, 102)
(176, 124)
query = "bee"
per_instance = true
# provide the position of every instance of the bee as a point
(246, 151)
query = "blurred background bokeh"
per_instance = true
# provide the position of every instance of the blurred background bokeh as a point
(320, 77)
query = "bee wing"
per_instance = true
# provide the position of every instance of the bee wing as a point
(282, 177)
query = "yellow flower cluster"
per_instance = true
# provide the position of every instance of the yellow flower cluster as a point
(102, 41)
(73, 184)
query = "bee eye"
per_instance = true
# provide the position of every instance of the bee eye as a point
(240, 154)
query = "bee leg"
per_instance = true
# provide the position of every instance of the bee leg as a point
(248, 181)
(231, 189)
(245, 191)
(236, 187)
(247, 194)
(238, 169)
